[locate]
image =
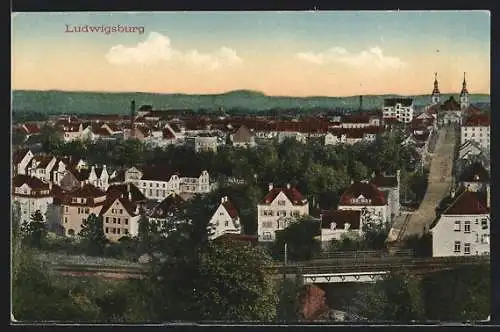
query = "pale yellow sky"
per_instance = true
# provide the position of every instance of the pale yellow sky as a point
(295, 54)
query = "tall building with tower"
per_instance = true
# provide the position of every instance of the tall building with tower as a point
(436, 94)
(464, 95)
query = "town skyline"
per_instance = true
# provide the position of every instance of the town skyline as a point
(288, 52)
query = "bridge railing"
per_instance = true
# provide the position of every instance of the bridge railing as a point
(363, 255)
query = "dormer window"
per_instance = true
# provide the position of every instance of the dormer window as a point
(333, 225)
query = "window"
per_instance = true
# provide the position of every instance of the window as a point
(150, 185)
(114, 220)
(267, 236)
(484, 223)
(457, 246)
(157, 192)
(106, 230)
(126, 221)
(121, 211)
(281, 203)
(113, 211)
(125, 231)
(113, 230)
(164, 185)
(226, 223)
(150, 192)
(457, 226)
(157, 185)
(65, 220)
(467, 227)
(119, 221)
(66, 209)
(107, 220)
(117, 231)
(467, 248)
(485, 238)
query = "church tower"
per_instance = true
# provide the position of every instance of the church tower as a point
(464, 95)
(435, 93)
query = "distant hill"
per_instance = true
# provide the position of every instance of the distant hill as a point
(115, 103)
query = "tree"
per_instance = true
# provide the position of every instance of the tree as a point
(374, 232)
(92, 235)
(34, 231)
(288, 305)
(398, 297)
(460, 294)
(230, 281)
(300, 239)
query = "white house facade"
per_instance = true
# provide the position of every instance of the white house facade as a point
(399, 108)
(279, 207)
(32, 195)
(225, 220)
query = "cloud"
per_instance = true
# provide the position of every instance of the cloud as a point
(158, 48)
(372, 58)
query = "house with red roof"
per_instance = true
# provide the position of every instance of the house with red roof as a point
(368, 198)
(120, 214)
(463, 229)
(31, 195)
(278, 209)
(41, 167)
(476, 128)
(225, 220)
(78, 205)
(30, 129)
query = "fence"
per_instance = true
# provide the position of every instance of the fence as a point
(353, 255)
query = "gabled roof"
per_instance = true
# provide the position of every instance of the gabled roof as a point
(43, 160)
(129, 206)
(80, 175)
(118, 190)
(231, 210)
(172, 204)
(475, 173)
(18, 155)
(31, 128)
(243, 134)
(340, 217)
(468, 203)
(87, 191)
(292, 194)
(477, 120)
(167, 133)
(367, 190)
(34, 183)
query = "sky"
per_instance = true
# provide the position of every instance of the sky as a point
(277, 53)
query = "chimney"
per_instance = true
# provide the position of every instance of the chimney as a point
(130, 196)
(222, 199)
(488, 196)
(270, 186)
(288, 186)
(347, 226)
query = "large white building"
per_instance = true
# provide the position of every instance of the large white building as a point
(368, 199)
(225, 220)
(463, 229)
(31, 195)
(279, 207)
(335, 225)
(158, 183)
(20, 161)
(398, 108)
(202, 142)
(476, 128)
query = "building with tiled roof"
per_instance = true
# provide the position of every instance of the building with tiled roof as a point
(99, 177)
(120, 217)
(399, 108)
(279, 207)
(41, 167)
(476, 128)
(31, 195)
(155, 181)
(463, 229)
(20, 161)
(243, 137)
(78, 205)
(224, 220)
(30, 128)
(337, 224)
(167, 210)
(390, 185)
(367, 198)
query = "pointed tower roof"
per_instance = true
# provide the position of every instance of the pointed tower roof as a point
(436, 85)
(464, 87)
